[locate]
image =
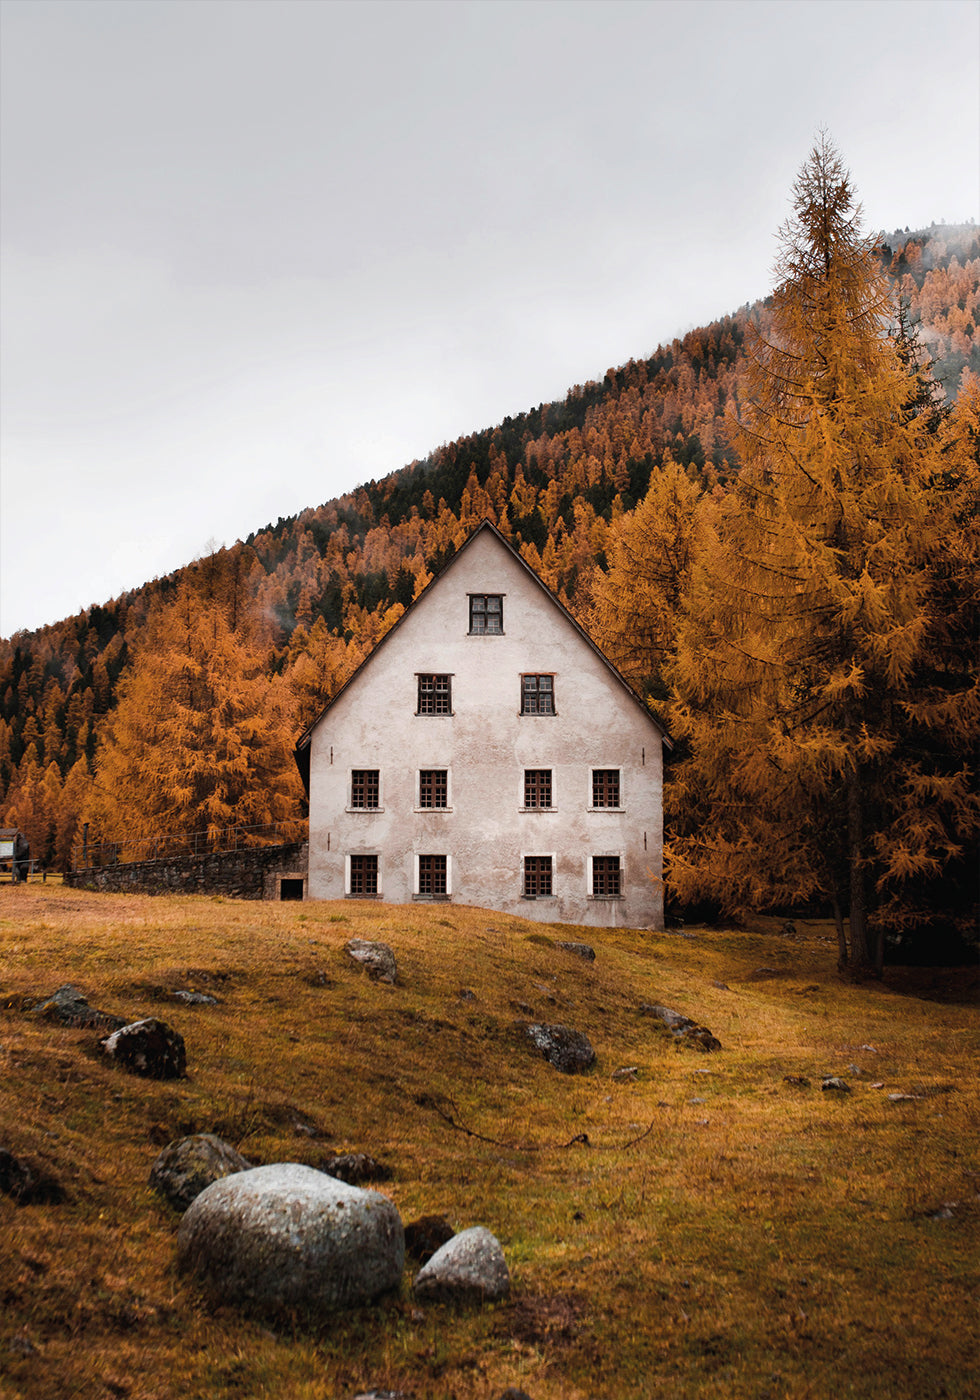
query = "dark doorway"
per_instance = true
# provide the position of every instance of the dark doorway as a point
(291, 888)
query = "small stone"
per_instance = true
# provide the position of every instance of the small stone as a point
(465, 994)
(149, 1048)
(69, 1007)
(188, 1165)
(903, 1098)
(355, 1167)
(568, 1050)
(377, 958)
(855, 1071)
(426, 1236)
(195, 998)
(469, 1267)
(799, 1080)
(836, 1085)
(682, 1028)
(27, 1184)
(580, 950)
(628, 1072)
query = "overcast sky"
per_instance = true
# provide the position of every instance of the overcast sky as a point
(256, 252)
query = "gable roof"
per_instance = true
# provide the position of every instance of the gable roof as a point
(302, 750)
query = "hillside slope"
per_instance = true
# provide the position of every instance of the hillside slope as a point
(704, 1223)
(324, 583)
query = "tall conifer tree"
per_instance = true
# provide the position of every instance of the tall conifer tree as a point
(817, 611)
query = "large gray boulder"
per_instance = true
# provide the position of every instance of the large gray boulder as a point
(189, 1165)
(283, 1238)
(468, 1268)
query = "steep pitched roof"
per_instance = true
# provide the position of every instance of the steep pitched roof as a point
(302, 750)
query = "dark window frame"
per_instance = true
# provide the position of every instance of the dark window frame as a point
(538, 785)
(482, 614)
(365, 783)
(605, 783)
(365, 876)
(538, 693)
(538, 877)
(433, 698)
(607, 877)
(433, 876)
(433, 784)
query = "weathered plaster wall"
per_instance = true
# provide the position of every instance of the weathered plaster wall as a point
(486, 744)
(251, 873)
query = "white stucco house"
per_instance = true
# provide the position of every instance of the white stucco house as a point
(487, 753)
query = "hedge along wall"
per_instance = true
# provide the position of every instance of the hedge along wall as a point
(257, 872)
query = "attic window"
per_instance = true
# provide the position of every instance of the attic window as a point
(537, 695)
(486, 614)
(435, 695)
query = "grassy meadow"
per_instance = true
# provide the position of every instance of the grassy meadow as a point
(722, 1232)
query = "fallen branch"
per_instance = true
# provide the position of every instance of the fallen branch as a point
(579, 1140)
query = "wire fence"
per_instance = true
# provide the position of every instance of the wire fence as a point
(88, 855)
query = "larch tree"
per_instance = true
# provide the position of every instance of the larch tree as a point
(200, 738)
(636, 599)
(814, 655)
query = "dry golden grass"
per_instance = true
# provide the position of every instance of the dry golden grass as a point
(763, 1239)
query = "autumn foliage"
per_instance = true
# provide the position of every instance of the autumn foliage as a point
(769, 524)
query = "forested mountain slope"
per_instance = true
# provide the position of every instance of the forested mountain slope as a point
(295, 607)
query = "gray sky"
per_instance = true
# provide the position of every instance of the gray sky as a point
(255, 254)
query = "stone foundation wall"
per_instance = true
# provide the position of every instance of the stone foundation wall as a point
(254, 872)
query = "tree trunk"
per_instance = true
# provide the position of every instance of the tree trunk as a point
(858, 913)
(842, 958)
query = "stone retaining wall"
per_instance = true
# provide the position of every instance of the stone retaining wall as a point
(255, 872)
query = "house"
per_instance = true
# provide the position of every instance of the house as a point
(15, 853)
(487, 753)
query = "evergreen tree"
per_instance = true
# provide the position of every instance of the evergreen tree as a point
(817, 613)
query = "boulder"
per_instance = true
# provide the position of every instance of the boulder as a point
(377, 958)
(283, 1238)
(580, 950)
(468, 1268)
(682, 1029)
(150, 1048)
(569, 1051)
(69, 1007)
(187, 1166)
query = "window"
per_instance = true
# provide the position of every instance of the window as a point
(433, 787)
(364, 788)
(435, 695)
(537, 695)
(606, 877)
(605, 787)
(486, 613)
(363, 875)
(537, 876)
(537, 787)
(432, 875)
